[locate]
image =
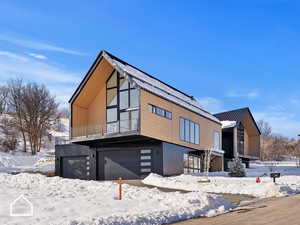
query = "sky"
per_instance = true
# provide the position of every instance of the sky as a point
(227, 54)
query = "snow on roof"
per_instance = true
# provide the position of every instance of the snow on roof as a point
(159, 88)
(228, 124)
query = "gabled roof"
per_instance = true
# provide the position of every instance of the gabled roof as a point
(237, 115)
(147, 82)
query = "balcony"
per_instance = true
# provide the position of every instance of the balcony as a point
(101, 131)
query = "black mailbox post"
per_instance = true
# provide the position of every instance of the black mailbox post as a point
(274, 176)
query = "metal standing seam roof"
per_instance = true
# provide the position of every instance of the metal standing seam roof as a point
(157, 87)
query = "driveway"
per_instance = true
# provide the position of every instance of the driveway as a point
(275, 211)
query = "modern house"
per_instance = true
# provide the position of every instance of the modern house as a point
(240, 135)
(127, 123)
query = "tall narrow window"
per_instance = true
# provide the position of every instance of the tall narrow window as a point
(216, 140)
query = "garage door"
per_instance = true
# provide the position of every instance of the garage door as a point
(121, 163)
(74, 167)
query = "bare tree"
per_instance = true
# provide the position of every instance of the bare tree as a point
(9, 137)
(264, 128)
(39, 110)
(266, 132)
(3, 98)
(14, 100)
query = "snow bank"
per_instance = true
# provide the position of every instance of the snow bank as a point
(65, 201)
(221, 183)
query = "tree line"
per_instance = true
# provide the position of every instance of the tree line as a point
(275, 146)
(27, 111)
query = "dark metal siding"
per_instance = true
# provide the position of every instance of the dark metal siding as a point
(173, 162)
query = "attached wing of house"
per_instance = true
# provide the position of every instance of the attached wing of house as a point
(240, 134)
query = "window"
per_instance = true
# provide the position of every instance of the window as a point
(122, 102)
(181, 128)
(145, 170)
(216, 140)
(189, 131)
(145, 163)
(159, 111)
(168, 115)
(146, 151)
(192, 163)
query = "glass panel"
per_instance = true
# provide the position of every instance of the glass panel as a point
(196, 162)
(134, 119)
(145, 157)
(134, 98)
(216, 140)
(187, 130)
(112, 127)
(112, 82)
(145, 163)
(168, 115)
(191, 161)
(124, 104)
(123, 84)
(185, 160)
(111, 115)
(111, 97)
(145, 170)
(192, 132)
(197, 134)
(146, 151)
(124, 121)
(181, 129)
(150, 108)
(160, 111)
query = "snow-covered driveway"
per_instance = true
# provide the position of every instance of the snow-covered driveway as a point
(65, 201)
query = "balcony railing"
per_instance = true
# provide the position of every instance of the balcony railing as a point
(119, 127)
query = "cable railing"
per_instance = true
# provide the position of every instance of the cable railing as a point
(118, 127)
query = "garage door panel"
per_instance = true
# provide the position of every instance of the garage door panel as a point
(74, 167)
(119, 163)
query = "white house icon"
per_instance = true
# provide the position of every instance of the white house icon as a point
(21, 206)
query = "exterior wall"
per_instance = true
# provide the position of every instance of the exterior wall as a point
(173, 162)
(96, 113)
(89, 108)
(167, 130)
(217, 164)
(246, 142)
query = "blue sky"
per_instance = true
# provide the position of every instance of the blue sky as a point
(228, 54)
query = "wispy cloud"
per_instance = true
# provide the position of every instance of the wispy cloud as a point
(211, 104)
(251, 94)
(37, 45)
(13, 64)
(37, 56)
(13, 56)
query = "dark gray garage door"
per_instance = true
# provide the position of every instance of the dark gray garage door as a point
(74, 167)
(113, 164)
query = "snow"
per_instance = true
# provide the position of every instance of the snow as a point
(287, 184)
(44, 161)
(228, 124)
(65, 201)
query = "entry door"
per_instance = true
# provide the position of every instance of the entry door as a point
(113, 164)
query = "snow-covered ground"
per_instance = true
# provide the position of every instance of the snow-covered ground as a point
(19, 161)
(64, 201)
(288, 183)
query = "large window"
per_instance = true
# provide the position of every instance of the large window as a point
(192, 163)
(122, 102)
(189, 131)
